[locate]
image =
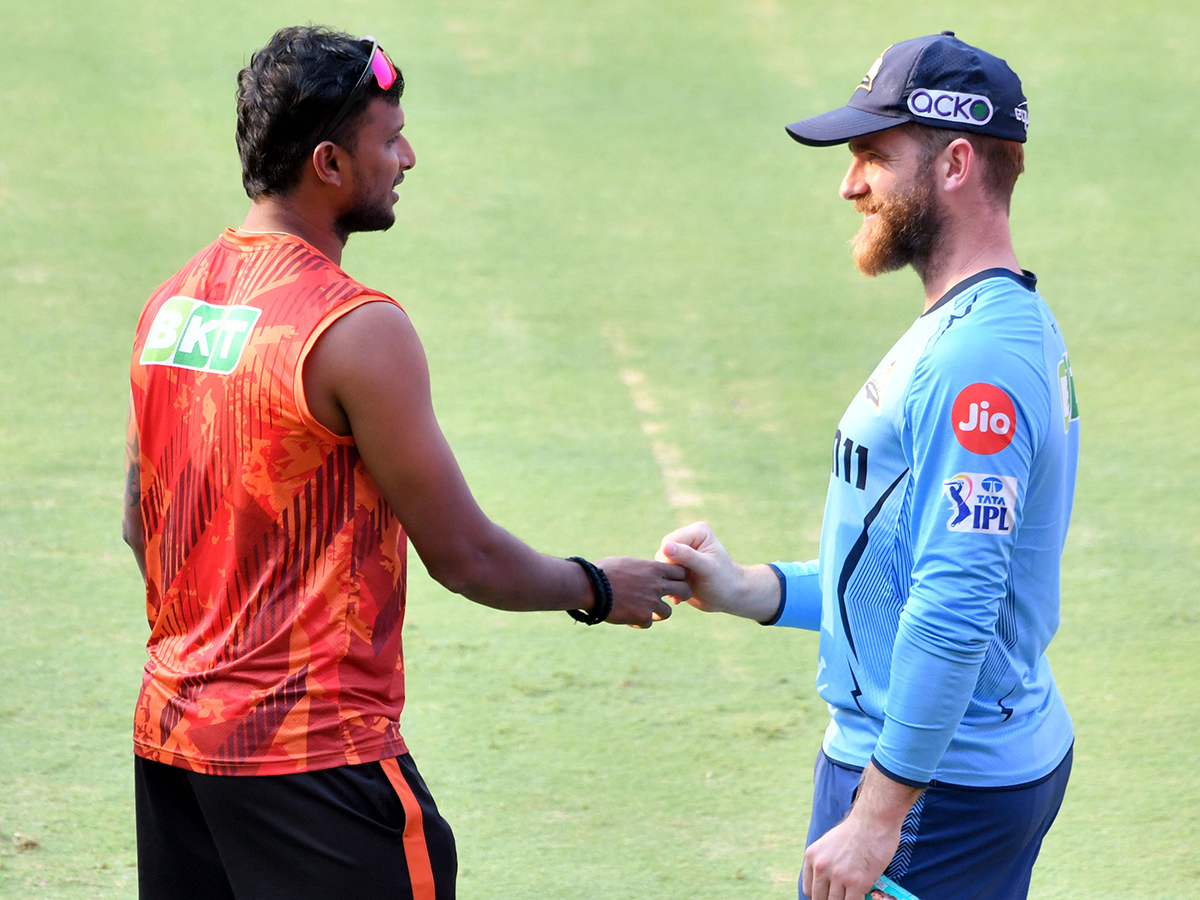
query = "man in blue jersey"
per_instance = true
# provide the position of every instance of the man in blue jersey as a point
(936, 591)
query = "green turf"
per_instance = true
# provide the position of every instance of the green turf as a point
(605, 190)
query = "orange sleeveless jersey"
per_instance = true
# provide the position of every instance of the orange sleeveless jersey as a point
(275, 569)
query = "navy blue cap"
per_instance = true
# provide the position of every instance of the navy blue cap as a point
(936, 80)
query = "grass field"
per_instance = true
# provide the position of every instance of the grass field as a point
(639, 309)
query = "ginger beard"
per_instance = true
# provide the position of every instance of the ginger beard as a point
(904, 230)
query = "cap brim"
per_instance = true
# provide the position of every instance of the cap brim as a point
(840, 125)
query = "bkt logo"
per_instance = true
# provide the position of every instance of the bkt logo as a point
(192, 334)
(951, 106)
(980, 504)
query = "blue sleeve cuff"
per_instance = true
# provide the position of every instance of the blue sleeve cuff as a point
(898, 778)
(800, 595)
(774, 620)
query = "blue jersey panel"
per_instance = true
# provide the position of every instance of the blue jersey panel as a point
(952, 476)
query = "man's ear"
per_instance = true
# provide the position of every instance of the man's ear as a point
(326, 161)
(957, 162)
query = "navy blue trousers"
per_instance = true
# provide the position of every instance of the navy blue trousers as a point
(956, 842)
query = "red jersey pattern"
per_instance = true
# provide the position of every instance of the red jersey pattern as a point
(275, 570)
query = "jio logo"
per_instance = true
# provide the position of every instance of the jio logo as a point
(983, 419)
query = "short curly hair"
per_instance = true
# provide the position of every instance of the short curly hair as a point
(288, 93)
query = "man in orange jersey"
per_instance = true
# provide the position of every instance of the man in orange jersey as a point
(282, 450)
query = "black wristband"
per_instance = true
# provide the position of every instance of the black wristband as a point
(601, 591)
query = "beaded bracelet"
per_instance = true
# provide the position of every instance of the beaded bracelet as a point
(601, 590)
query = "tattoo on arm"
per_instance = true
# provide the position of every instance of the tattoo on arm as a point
(133, 486)
(131, 519)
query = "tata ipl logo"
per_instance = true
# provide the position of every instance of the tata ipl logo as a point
(193, 334)
(980, 503)
(950, 106)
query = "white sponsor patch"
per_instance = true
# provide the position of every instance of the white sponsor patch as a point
(1022, 114)
(192, 334)
(877, 384)
(981, 503)
(1066, 390)
(951, 106)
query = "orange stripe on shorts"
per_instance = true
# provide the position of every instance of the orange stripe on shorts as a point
(416, 851)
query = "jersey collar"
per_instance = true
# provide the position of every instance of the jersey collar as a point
(1026, 280)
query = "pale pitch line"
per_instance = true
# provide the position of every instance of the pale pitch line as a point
(676, 476)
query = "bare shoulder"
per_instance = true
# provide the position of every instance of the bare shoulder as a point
(371, 352)
(376, 326)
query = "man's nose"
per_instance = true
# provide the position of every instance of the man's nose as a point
(853, 185)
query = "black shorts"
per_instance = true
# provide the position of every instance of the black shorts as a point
(366, 831)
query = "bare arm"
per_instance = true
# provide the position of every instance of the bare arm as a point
(131, 516)
(848, 858)
(367, 376)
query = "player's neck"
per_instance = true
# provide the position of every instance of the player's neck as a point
(271, 214)
(967, 251)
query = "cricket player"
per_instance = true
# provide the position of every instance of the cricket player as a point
(282, 451)
(936, 588)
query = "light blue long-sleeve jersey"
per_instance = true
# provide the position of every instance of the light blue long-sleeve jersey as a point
(937, 586)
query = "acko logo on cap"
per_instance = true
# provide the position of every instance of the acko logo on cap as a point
(984, 418)
(950, 106)
(192, 334)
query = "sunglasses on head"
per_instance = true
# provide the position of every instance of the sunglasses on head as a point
(385, 76)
